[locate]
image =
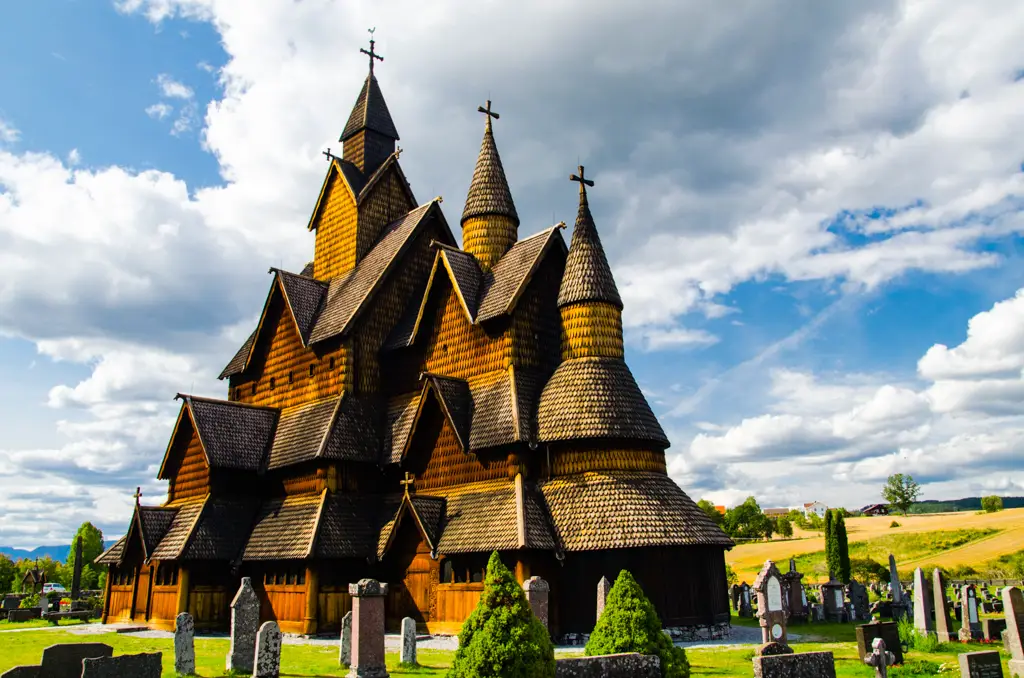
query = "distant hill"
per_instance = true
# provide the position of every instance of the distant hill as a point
(56, 552)
(966, 504)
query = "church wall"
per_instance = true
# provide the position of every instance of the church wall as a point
(283, 373)
(335, 248)
(386, 202)
(192, 477)
(570, 460)
(535, 327)
(448, 465)
(457, 349)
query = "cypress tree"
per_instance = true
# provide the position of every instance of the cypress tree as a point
(842, 548)
(831, 558)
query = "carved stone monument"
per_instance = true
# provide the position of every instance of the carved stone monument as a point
(184, 645)
(859, 601)
(1013, 611)
(796, 598)
(345, 654)
(880, 659)
(268, 651)
(832, 600)
(245, 622)
(970, 624)
(368, 629)
(745, 609)
(408, 654)
(981, 665)
(816, 664)
(899, 605)
(923, 620)
(604, 586)
(771, 610)
(537, 592)
(942, 621)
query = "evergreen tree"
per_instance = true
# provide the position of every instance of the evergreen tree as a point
(842, 548)
(630, 623)
(831, 557)
(502, 638)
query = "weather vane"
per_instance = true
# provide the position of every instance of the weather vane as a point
(373, 55)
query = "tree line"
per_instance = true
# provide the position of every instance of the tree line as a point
(94, 576)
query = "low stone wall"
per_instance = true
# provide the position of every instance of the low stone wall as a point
(631, 665)
(694, 634)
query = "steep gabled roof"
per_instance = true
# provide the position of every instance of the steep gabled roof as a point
(596, 398)
(348, 173)
(285, 528)
(513, 272)
(153, 523)
(349, 526)
(401, 413)
(221, 529)
(426, 510)
(489, 192)
(303, 298)
(370, 113)
(453, 397)
(113, 555)
(587, 277)
(465, 275)
(176, 539)
(342, 427)
(371, 182)
(503, 410)
(348, 296)
(233, 435)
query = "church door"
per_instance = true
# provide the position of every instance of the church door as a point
(413, 570)
(142, 594)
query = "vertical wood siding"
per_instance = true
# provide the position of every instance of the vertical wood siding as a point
(335, 249)
(192, 476)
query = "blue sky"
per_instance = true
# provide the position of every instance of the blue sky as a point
(815, 222)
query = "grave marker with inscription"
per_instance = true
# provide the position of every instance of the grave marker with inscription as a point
(981, 665)
(771, 610)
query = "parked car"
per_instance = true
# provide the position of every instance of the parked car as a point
(53, 588)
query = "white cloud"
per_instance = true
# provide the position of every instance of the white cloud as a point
(74, 157)
(172, 89)
(657, 338)
(8, 132)
(159, 111)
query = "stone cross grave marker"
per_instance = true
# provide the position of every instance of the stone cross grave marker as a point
(880, 659)
(1013, 611)
(604, 586)
(184, 645)
(985, 664)
(408, 656)
(942, 621)
(268, 651)
(245, 620)
(970, 623)
(368, 629)
(887, 631)
(147, 665)
(771, 609)
(345, 655)
(923, 621)
(537, 592)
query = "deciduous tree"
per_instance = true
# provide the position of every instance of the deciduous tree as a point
(901, 491)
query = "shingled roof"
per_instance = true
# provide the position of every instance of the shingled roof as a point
(401, 414)
(233, 435)
(177, 536)
(370, 113)
(508, 279)
(587, 277)
(343, 427)
(304, 297)
(221, 530)
(349, 526)
(489, 192)
(503, 410)
(285, 529)
(626, 509)
(596, 397)
(153, 523)
(427, 511)
(112, 556)
(240, 359)
(453, 396)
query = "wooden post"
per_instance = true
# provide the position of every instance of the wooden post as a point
(522, 570)
(182, 605)
(106, 596)
(312, 593)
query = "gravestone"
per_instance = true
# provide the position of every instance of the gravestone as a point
(1013, 611)
(268, 651)
(245, 620)
(76, 576)
(771, 610)
(923, 620)
(802, 665)
(604, 586)
(981, 665)
(992, 629)
(65, 661)
(147, 665)
(880, 659)
(970, 626)
(184, 645)
(537, 591)
(887, 631)
(734, 597)
(942, 622)
(832, 600)
(33, 672)
(796, 598)
(899, 605)
(858, 594)
(408, 655)
(10, 603)
(368, 629)
(745, 610)
(345, 655)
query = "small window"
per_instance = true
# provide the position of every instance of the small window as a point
(311, 369)
(291, 578)
(478, 576)
(447, 573)
(331, 363)
(301, 579)
(238, 393)
(254, 388)
(290, 377)
(273, 383)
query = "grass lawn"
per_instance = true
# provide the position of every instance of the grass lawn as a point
(37, 623)
(322, 660)
(747, 559)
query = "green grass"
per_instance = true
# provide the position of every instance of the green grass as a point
(904, 546)
(38, 623)
(322, 660)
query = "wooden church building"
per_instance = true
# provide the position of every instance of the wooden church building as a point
(403, 408)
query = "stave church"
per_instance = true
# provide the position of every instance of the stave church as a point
(406, 406)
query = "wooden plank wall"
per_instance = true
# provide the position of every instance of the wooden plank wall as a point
(335, 249)
(192, 477)
(454, 603)
(386, 202)
(120, 603)
(164, 606)
(285, 604)
(210, 606)
(333, 602)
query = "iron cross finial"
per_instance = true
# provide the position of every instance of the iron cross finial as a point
(584, 182)
(373, 55)
(138, 494)
(488, 112)
(409, 480)
(330, 156)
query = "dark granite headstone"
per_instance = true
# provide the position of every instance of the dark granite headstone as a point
(76, 576)
(981, 665)
(65, 661)
(803, 665)
(148, 665)
(887, 631)
(22, 672)
(993, 629)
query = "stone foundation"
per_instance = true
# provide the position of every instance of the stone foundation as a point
(630, 665)
(678, 634)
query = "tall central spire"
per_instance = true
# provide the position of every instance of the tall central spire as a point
(369, 136)
(490, 224)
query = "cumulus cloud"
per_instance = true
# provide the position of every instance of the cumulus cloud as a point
(8, 132)
(172, 89)
(159, 111)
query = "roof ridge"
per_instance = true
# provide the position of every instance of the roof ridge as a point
(232, 403)
(306, 278)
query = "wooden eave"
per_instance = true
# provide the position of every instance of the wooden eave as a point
(192, 527)
(367, 190)
(276, 285)
(333, 167)
(429, 385)
(550, 237)
(319, 515)
(174, 435)
(407, 505)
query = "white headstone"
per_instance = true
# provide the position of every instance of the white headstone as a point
(774, 594)
(268, 651)
(184, 645)
(245, 621)
(408, 655)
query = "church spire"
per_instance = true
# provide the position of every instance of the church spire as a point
(369, 136)
(587, 277)
(490, 224)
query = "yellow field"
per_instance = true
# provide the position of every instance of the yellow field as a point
(747, 559)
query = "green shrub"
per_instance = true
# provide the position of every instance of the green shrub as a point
(915, 668)
(630, 623)
(502, 638)
(894, 524)
(29, 601)
(907, 632)
(926, 642)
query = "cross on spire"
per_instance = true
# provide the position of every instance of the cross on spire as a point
(488, 112)
(409, 480)
(138, 494)
(373, 55)
(584, 182)
(330, 156)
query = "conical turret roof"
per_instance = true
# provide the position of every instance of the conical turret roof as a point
(488, 192)
(587, 276)
(370, 112)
